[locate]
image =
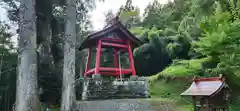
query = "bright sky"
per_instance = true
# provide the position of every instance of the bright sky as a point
(97, 15)
(102, 7)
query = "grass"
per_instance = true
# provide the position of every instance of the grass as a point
(51, 109)
(161, 88)
(235, 107)
(181, 68)
(169, 93)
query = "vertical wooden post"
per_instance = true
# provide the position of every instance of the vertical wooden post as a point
(194, 103)
(130, 54)
(97, 64)
(208, 108)
(116, 62)
(88, 61)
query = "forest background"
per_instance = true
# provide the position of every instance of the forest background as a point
(181, 39)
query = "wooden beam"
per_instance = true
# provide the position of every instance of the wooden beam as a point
(108, 71)
(113, 40)
(112, 73)
(115, 69)
(114, 45)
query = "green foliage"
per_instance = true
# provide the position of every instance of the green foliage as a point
(181, 32)
(129, 14)
(215, 35)
(171, 89)
(139, 31)
(109, 16)
(154, 32)
(172, 48)
(183, 68)
(221, 41)
(173, 28)
(8, 65)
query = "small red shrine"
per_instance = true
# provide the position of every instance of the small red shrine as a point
(115, 37)
(209, 94)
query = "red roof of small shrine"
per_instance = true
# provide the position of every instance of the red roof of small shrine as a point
(205, 86)
(115, 27)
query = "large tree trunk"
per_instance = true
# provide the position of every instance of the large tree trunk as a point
(27, 86)
(68, 93)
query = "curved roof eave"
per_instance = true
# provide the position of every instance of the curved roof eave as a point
(205, 87)
(116, 25)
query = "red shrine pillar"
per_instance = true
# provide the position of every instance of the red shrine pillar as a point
(116, 62)
(130, 54)
(98, 54)
(88, 61)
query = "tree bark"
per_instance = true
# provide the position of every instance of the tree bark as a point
(68, 93)
(27, 85)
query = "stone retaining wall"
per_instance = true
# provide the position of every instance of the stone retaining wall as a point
(114, 105)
